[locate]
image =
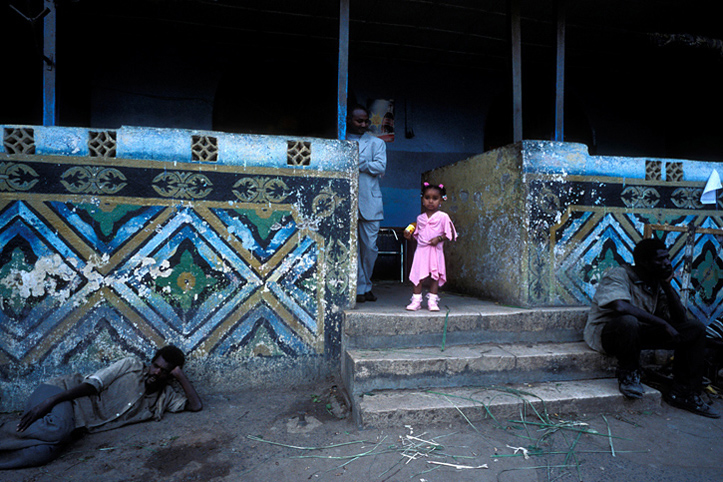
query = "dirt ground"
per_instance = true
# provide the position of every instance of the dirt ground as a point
(306, 434)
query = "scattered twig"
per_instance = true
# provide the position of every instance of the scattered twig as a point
(413, 448)
(431, 444)
(462, 413)
(571, 452)
(610, 436)
(565, 427)
(538, 454)
(482, 404)
(523, 450)
(456, 466)
(259, 439)
(622, 419)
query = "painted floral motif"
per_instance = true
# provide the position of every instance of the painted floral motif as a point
(93, 180)
(686, 198)
(549, 201)
(261, 190)
(16, 177)
(186, 282)
(187, 185)
(605, 260)
(337, 279)
(706, 272)
(107, 215)
(640, 197)
(326, 202)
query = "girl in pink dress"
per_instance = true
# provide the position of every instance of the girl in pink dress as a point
(433, 227)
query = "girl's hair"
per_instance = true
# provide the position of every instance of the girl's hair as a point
(439, 187)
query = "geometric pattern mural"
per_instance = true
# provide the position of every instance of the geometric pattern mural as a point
(594, 224)
(100, 258)
(706, 277)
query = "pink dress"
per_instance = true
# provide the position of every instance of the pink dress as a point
(428, 259)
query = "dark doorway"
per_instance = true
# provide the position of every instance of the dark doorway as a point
(293, 96)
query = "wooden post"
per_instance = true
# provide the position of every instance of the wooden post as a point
(50, 114)
(560, 72)
(516, 44)
(343, 73)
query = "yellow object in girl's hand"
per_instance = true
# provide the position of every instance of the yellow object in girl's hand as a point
(410, 229)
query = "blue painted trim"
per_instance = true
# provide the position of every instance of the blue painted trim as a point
(570, 159)
(146, 143)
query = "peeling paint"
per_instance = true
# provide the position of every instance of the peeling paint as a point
(257, 261)
(546, 219)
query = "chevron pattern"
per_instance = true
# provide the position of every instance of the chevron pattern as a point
(585, 239)
(97, 274)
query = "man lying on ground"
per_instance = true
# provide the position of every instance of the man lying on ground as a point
(126, 392)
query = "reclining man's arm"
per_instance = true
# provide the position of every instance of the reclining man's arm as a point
(194, 403)
(44, 407)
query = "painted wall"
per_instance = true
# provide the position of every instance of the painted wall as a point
(238, 249)
(540, 222)
(485, 200)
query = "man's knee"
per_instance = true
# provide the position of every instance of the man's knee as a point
(54, 427)
(623, 325)
(621, 334)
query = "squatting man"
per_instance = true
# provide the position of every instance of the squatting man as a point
(635, 308)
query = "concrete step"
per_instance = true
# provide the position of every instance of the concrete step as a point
(461, 365)
(469, 321)
(395, 408)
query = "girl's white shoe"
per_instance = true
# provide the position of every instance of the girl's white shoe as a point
(432, 302)
(416, 303)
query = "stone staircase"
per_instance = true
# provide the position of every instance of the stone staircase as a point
(496, 360)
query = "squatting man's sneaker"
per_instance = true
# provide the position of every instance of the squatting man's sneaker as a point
(691, 402)
(629, 383)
